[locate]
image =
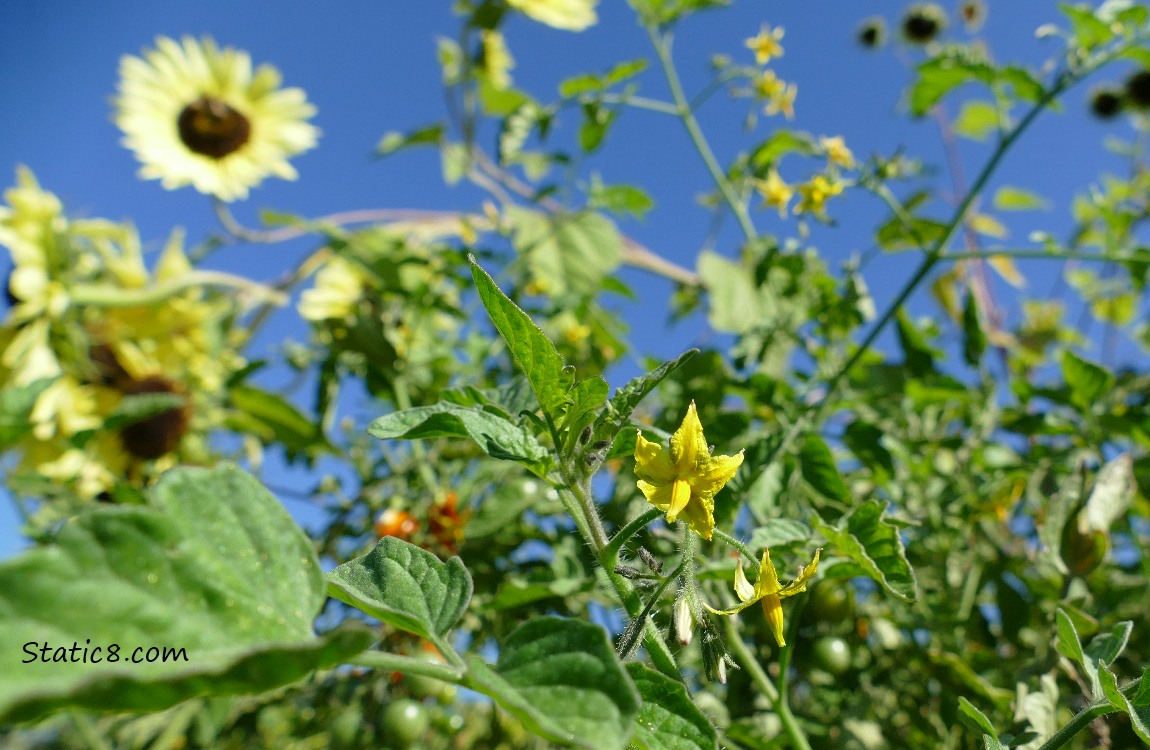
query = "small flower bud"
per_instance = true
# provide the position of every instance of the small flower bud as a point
(585, 435)
(649, 560)
(627, 572)
(684, 621)
(601, 444)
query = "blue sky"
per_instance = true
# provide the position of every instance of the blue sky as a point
(370, 67)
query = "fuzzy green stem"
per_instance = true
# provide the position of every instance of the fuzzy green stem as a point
(609, 556)
(409, 665)
(758, 675)
(743, 549)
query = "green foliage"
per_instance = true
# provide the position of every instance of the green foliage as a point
(404, 586)
(216, 569)
(563, 680)
(871, 542)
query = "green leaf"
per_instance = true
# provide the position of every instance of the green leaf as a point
(976, 120)
(496, 436)
(1088, 381)
(587, 397)
(215, 566)
(562, 679)
(1112, 496)
(937, 77)
(16, 404)
(819, 470)
(865, 441)
(668, 718)
(141, 406)
(1067, 643)
(921, 234)
(1139, 714)
(588, 82)
(273, 419)
(619, 199)
(1089, 30)
(1010, 198)
(1058, 511)
(529, 346)
(973, 337)
(428, 135)
(919, 355)
(405, 586)
(597, 121)
(619, 408)
(874, 544)
(454, 162)
(779, 533)
(974, 719)
(570, 253)
(781, 143)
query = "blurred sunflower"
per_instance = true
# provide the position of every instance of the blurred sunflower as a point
(570, 15)
(198, 115)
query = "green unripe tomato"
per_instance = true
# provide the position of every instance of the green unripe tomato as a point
(831, 602)
(404, 723)
(1082, 551)
(833, 654)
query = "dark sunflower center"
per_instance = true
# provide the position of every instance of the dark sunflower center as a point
(210, 127)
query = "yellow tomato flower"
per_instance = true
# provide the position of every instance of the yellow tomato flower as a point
(766, 45)
(813, 195)
(570, 15)
(768, 590)
(776, 193)
(684, 480)
(837, 151)
(783, 103)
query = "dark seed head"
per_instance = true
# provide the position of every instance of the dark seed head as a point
(872, 34)
(923, 22)
(211, 128)
(160, 433)
(107, 368)
(1138, 90)
(1105, 103)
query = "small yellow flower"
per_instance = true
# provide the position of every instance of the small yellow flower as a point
(780, 96)
(337, 291)
(837, 151)
(766, 45)
(775, 192)
(570, 15)
(684, 480)
(813, 195)
(769, 591)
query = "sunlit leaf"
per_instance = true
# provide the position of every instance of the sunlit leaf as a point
(215, 567)
(405, 586)
(562, 679)
(873, 543)
(529, 346)
(668, 718)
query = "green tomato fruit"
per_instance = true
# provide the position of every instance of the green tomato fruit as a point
(404, 723)
(833, 654)
(830, 602)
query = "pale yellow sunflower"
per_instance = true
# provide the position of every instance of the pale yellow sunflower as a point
(570, 15)
(199, 115)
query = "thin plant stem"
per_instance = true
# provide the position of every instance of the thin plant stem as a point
(743, 549)
(409, 665)
(609, 555)
(758, 675)
(662, 44)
